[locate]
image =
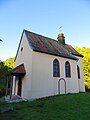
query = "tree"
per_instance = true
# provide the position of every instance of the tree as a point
(5, 68)
(86, 64)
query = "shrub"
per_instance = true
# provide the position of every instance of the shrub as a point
(2, 91)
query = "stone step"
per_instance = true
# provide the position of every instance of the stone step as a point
(6, 109)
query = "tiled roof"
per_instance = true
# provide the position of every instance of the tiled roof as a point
(47, 45)
(19, 70)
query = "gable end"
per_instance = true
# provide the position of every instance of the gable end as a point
(21, 41)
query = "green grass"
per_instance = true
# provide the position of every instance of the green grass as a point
(63, 107)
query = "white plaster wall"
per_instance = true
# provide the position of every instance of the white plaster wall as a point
(25, 57)
(16, 87)
(71, 82)
(39, 81)
(13, 85)
(43, 83)
(81, 80)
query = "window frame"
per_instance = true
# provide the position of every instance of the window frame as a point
(56, 69)
(67, 69)
(78, 72)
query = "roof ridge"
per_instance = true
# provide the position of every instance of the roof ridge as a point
(40, 35)
(48, 45)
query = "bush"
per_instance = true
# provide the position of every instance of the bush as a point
(87, 89)
(2, 91)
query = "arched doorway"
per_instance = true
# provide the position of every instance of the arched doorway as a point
(19, 72)
(59, 85)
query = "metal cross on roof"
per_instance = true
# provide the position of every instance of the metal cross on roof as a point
(60, 28)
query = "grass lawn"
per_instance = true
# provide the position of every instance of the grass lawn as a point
(63, 107)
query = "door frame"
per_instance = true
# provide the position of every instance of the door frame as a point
(19, 90)
(59, 85)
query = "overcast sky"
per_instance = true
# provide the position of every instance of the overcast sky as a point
(43, 17)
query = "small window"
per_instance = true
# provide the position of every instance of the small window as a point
(21, 49)
(67, 69)
(56, 68)
(78, 72)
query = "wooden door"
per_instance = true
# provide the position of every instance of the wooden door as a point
(19, 86)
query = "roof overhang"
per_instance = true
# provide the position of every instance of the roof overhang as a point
(19, 71)
(70, 56)
(79, 55)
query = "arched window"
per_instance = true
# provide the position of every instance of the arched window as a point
(78, 72)
(56, 68)
(67, 69)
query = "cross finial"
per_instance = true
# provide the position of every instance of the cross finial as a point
(60, 28)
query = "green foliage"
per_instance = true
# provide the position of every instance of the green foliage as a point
(9, 63)
(2, 91)
(63, 107)
(86, 64)
(5, 68)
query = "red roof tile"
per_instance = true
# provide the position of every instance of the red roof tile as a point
(47, 45)
(19, 70)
